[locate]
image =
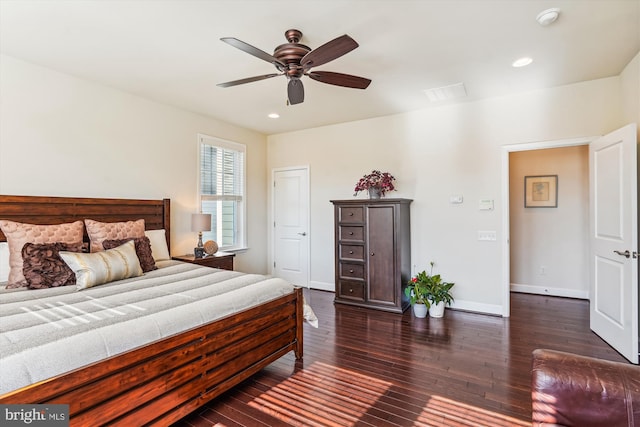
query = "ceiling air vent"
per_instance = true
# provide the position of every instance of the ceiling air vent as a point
(446, 93)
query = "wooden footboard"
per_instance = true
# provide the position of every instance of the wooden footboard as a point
(162, 382)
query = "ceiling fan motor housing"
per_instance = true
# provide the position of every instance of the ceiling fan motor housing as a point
(291, 53)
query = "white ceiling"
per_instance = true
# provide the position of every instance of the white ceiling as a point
(169, 50)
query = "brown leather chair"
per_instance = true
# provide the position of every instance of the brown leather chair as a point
(573, 390)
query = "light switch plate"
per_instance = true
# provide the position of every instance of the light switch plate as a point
(486, 205)
(455, 200)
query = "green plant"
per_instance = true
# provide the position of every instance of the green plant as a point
(429, 288)
(418, 289)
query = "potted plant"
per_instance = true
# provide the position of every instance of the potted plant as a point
(439, 294)
(377, 183)
(418, 291)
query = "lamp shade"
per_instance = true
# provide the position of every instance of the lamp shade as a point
(200, 222)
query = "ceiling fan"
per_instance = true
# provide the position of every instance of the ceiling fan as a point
(294, 60)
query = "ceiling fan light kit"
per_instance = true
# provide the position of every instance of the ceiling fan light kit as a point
(295, 60)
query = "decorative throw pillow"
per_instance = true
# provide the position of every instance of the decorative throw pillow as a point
(100, 231)
(4, 261)
(143, 250)
(97, 268)
(43, 267)
(18, 234)
(159, 247)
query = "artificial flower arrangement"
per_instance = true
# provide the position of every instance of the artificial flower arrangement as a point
(376, 179)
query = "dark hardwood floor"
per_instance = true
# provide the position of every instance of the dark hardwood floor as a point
(370, 368)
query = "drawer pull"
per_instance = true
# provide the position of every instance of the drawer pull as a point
(351, 271)
(372, 254)
(350, 290)
(351, 233)
(350, 252)
(350, 213)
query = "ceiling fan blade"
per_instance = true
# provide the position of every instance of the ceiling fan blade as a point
(295, 91)
(251, 50)
(328, 52)
(248, 80)
(339, 79)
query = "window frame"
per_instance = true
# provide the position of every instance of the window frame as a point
(240, 217)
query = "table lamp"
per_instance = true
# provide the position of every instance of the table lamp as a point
(200, 222)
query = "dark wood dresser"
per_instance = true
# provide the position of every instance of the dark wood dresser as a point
(372, 252)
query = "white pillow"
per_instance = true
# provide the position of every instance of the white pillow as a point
(158, 241)
(4, 261)
(102, 267)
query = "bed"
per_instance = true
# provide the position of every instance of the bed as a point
(161, 381)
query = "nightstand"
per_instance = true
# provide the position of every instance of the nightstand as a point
(223, 260)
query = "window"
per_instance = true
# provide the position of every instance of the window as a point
(221, 190)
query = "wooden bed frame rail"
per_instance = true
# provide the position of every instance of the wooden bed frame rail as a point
(161, 382)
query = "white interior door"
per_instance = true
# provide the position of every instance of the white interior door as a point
(614, 240)
(291, 225)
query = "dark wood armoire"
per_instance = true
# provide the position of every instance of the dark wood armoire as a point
(372, 252)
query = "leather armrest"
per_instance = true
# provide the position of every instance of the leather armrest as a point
(573, 390)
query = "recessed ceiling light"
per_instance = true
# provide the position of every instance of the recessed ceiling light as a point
(548, 16)
(522, 62)
(274, 115)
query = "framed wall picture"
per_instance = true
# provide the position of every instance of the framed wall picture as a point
(541, 191)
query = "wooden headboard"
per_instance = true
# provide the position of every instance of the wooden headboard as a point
(57, 210)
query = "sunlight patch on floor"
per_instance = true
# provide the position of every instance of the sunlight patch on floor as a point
(325, 395)
(443, 411)
(322, 395)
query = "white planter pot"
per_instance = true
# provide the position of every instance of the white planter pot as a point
(420, 310)
(437, 310)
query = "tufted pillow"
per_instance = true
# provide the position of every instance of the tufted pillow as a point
(18, 234)
(97, 268)
(43, 267)
(143, 250)
(100, 231)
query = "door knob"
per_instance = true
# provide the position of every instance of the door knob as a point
(625, 254)
(303, 233)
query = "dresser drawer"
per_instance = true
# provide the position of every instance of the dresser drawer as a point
(352, 233)
(351, 290)
(351, 214)
(352, 252)
(352, 271)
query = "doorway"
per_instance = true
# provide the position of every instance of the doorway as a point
(506, 203)
(549, 217)
(291, 225)
(613, 238)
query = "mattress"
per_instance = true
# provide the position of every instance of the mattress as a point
(47, 332)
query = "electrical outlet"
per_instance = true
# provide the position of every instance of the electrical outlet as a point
(543, 270)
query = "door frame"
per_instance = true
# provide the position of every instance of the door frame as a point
(271, 226)
(506, 211)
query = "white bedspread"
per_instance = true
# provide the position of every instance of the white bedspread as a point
(47, 332)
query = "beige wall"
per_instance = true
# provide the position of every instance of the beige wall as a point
(630, 84)
(60, 135)
(64, 136)
(550, 246)
(436, 153)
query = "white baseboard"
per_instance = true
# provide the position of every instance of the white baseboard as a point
(477, 307)
(546, 290)
(323, 286)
